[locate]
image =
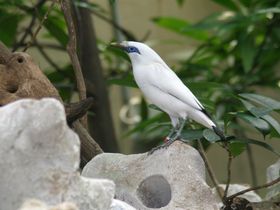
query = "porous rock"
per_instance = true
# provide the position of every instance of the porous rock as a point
(39, 158)
(172, 178)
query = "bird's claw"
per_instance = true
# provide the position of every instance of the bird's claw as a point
(167, 143)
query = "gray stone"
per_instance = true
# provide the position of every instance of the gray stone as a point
(39, 158)
(120, 205)
(33, 204)
(272, 173)
(251, 196)
(169, 179)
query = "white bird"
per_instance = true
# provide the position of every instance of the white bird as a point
(162, 87)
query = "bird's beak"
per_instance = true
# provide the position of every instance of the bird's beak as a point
(117, 45)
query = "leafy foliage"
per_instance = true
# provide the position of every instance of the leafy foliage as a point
(237, 55)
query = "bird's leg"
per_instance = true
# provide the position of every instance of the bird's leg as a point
(171, 137)
(171, 133)
(178, 133)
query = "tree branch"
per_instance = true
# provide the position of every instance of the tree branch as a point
(72, 50)
(33, 36)
(273, 182)
(28, 29)
(230, 157)
(209, 169)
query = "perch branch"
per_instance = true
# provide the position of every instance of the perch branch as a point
(209, 169)
(33, 36)
(230, 157)
(76, 110)
(89, 147)
(72, 48)
(273, 182)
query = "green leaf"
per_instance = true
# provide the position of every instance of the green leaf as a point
(181, 27)
(112, 2)
(89, 5)
(191, 135)
(272, 122)
(237, 148)
(258, 143)
(180, 2)
(262, 100)
(127, 81)
(144, 124)
(57, 30)
(8, 29)
(210, 135)
(258, 123)
(246, 3)
(227, 3)
(256, 111)
(269, 10)
(247, 52)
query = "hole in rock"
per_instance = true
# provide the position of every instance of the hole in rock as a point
(154, 191)
(12, 88)
(20, 59)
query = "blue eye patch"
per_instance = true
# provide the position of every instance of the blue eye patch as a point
(131, 49)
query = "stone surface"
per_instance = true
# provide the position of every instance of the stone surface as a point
(39, 158)
(169, 179)
(120, 205)
(33, 204)
(235, 188)
(272, 173)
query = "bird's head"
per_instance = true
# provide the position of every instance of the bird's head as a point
(139, 53)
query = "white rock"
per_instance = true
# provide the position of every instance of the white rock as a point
(120, 205)
(39, 158)
(251, 196)
(273, 173)
(169, 179)
(33, 204)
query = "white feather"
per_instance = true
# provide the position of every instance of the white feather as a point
(162, 87)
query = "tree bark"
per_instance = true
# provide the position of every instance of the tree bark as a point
(101, 123)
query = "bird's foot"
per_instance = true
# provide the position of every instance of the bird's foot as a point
(167, 143)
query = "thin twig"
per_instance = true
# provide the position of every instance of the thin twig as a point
(72, 51)
(273, 182)
(46, 56)
(209, 169)
(230, 157)
(252, 165)
(126, 33)
(44, 45)
(26, 32)
(33, 37)
(31, 24)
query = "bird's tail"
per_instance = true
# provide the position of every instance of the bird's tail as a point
(219, 132)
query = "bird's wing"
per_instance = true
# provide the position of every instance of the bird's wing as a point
(165, 79)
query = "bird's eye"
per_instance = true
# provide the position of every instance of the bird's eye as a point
(132, 49)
